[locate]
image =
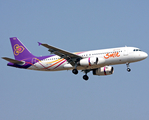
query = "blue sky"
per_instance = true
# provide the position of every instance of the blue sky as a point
(74, 26)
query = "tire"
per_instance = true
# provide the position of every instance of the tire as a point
(128, 69)
(75, 71)
(85, 77)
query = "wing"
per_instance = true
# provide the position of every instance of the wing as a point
(70, 57)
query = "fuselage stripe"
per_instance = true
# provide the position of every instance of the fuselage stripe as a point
(60, 64)
(55, 63)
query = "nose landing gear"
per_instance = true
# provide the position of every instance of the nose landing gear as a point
(128, 69)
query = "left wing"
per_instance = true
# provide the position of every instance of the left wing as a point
(70, 57)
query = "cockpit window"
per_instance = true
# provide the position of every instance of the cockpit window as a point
(136, 50)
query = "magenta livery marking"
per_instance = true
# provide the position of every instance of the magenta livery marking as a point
(18, 49)
(60, 64)
(39, 62)
(30, 64)
(79, 53)
(42, 65)
(105, 70)
(89, 61)
(55, 63)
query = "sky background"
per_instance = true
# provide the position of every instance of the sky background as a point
(77, 25)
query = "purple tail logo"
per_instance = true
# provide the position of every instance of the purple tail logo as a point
(18, 49)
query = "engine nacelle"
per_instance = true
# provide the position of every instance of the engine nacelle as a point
(91, 61)
(88, 61)
(107, 70)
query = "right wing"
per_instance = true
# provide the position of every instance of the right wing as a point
(70, 57)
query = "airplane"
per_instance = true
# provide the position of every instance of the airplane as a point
(97, 61)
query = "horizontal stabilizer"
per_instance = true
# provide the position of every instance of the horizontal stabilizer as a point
(13, 60)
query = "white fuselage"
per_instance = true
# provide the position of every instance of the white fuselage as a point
(113, 56)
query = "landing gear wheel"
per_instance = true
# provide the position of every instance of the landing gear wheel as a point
(75, 71)
(85, 77)
(128, 69)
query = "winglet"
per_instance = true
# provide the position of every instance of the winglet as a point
(39, 43)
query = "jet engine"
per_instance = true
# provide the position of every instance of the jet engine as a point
(107, 70)
(88, 61)
(91, 61)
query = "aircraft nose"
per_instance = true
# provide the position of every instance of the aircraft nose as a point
(144, 55)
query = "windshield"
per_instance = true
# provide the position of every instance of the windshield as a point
(136, 50)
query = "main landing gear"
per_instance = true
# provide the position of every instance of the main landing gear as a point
(75, 71)
(128, 69)
(85, 77)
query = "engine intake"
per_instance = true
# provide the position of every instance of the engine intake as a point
(107, 70)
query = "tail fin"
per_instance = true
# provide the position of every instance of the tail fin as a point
(19, 50)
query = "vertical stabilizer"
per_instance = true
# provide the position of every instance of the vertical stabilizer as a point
(19, 50)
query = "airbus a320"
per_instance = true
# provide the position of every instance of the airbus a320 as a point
(97, 61)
